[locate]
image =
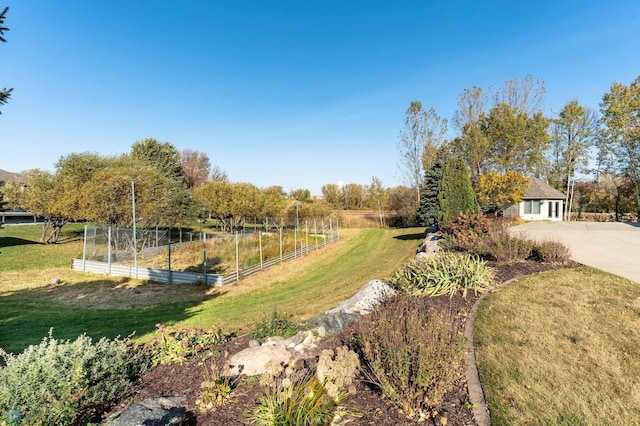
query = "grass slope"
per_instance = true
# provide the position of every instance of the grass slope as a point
(561, 348)
(109, 306)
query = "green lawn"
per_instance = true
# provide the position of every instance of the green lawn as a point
(108, 306)
(20, 249)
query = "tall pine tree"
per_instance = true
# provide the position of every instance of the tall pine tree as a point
(428, 209)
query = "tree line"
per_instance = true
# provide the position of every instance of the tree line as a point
(171, 187)
(503, 138)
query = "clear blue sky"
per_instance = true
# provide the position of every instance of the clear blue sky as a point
(290, 93)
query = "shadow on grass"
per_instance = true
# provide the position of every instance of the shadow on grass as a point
(26, 316)
(409, 237)
(13, 241)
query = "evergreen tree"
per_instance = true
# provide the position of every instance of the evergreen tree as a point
(428, 209)
(455, 193)
(5, 94)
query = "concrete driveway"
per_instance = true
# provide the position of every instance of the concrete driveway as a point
(611, 246)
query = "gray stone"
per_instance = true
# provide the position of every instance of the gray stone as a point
(334, 322)
(374, 292)
(162, 411)
(258, 360)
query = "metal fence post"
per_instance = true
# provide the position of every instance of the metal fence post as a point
(84, 249)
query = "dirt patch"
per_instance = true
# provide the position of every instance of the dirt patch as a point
(372, 407)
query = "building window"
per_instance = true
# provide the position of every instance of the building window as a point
(531, 206)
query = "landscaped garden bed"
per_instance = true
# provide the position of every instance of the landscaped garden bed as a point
(368, 405)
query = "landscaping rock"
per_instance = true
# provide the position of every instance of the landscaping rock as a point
(374, 292)
(334, 322)
(162, 411)
(429, 245)
(257, 360)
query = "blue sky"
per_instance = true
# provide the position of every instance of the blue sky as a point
(289, 93)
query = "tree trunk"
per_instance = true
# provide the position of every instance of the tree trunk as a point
(45, 228)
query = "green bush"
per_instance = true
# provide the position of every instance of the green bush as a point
(412, 353)
(275, 324)
(503, 246)
(59, 382)
(443, 273)
(180, 343)
(550, 252)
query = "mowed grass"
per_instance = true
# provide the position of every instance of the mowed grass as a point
(30, 304)
(561, 348)
(20, 248)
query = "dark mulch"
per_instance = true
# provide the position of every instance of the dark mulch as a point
(373, 408)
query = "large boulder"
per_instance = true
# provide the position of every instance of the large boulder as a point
(256, 360)
(363, 302)
(164, 411)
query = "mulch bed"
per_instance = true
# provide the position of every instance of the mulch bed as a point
(373, 407)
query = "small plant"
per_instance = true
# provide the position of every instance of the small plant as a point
(506, 247)
(467, 229)
(338, 370)
(178, 344)
(550, 252)
(443, 273)
(217, 388)
(296, 398)
(59, 382)
(413, 354)
(275, 324)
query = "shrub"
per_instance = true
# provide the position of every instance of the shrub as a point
(504, 246)
(551, 252)
(59, 382)
(412, 353)
(443, 273)
(275, 324)
(468, 229)
(179, 343)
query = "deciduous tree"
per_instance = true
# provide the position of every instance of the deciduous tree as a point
(334, 195)
(195, 166)
(517, 142)
(573, 134)
(419, 141)
(496, 191)
(42, 195)
(620, 109)
(162, 156)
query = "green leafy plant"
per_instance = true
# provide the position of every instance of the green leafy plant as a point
(275, 324)
(59, 382)
(217, 388)
(296, 398)
(411, 353)
(443, 273)
(180, 343)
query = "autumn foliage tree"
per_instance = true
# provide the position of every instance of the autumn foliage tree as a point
(496, 191)
(195, 167)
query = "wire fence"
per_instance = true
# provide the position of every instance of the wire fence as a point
(177, 256)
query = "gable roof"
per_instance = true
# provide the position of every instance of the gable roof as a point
(540, 190)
